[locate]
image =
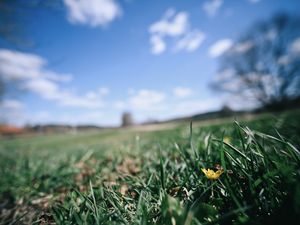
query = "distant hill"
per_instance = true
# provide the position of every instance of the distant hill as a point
(224, 112)
(61, 128)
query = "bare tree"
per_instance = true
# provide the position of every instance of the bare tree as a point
(264, 64)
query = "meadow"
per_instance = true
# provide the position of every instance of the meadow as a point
(154, 176)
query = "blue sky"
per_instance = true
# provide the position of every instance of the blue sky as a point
(94, 59)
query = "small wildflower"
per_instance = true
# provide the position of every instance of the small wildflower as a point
(227, 140)
(212, 175)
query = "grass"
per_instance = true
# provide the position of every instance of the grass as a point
(125, 176)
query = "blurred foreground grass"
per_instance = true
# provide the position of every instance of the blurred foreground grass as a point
(135, 176)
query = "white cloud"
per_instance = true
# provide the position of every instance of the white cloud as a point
(174, 26)
(245, 98)
(58, 77)
(44, 87)
(36, 117)
(119, 105)
(158, 45)
(224, 75)
(295, 46)
(284, 60)
(91, 95)
(87, 117)
(90, 116)
(182, 92)
(103, 91)
(15, 65)
(30, 71)
(82, 102)
(243, 47)
(154, 104)
(293, 53)
(24, 59)
(171, 24)
(40, 116)
(131, 91)
(220, 47)
(146, 99)
(238, 102)
(92, 12)
(145, 104)
(271, 34)
(226, 45)
(212, 7)
(192, 106)
(10, 111)
(50, 91)
(11, 104)
(191, 41)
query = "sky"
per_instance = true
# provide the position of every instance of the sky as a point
(91, 60)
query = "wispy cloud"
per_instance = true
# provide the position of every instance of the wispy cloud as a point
(156, 104)
(11, 110)
(58, 77)
(11, 104)
(141, 101)
(292, 54)
(51, 91)
(243, 47)
(182, 92)
(92, 12)
(191, 106)
(220, 47)
(32, 75)
(15, 65)
(158, 45)
(171, 24)
(119, 105)
(175, 26)
(191, 41)
(224, 75)
(211, 7)
(146, 99)
(93, 117)
(227, 45)
(295, 46)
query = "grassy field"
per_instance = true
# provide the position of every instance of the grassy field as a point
(154, 176)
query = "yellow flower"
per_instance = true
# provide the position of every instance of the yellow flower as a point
(212, 175)
(227, 140)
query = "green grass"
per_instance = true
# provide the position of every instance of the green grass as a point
(126, 176)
